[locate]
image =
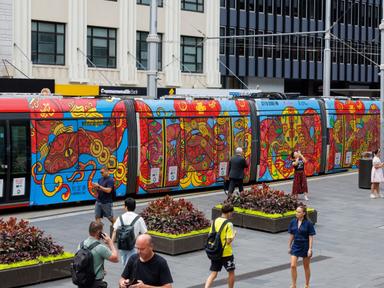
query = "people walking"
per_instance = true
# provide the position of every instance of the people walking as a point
(236, 167)
(146, 268)
(227, 236)
(300, 185)
(300, 243)
(104, 191)
(93, 275)
(132, 223)
(376, 175)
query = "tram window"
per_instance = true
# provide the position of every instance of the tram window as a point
(2, 146)
(19, 149)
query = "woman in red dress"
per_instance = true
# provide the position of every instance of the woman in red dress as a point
(300, 180)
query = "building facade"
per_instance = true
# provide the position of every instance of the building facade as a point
(294, 63)
(104, 41)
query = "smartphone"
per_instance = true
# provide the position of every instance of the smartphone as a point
(132, 282)
(101, 235)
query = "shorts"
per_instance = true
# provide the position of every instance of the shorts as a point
(228, 263)
(103, 210)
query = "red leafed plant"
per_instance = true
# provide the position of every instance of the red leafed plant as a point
(263, 198)
(20, 241)
(167, 215)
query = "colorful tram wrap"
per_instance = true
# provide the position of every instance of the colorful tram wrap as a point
(52, 148)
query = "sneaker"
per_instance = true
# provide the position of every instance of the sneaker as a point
(373, 196)
(381, 195)
(306, 197)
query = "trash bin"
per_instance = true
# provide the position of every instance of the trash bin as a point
(365, 169)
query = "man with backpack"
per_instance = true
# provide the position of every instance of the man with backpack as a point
(88, 264)
(219, 246)
(126, 229)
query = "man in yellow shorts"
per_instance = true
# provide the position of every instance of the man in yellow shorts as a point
(227, 259)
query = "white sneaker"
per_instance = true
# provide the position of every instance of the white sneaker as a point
(381, 195)
(373, 196)
(306, 198)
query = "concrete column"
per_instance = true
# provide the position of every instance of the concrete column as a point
(127, 42)
(22, 37)
(171, 65)
(77, 41)
(211, 47)
(6, 41)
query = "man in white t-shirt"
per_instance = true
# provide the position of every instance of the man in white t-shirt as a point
(128, 218)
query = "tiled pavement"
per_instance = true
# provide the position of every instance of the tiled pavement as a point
(348, 248)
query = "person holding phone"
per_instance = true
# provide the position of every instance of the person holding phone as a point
(300, 185)
(100, 253)
(146, 268)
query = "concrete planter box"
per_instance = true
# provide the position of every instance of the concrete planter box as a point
(262, 223)
(28, 275)
(175, 246)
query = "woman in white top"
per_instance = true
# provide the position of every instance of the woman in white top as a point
(376, 174)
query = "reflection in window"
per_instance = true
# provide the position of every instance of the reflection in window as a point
(19, 149)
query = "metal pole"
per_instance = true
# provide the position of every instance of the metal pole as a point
(381, 28)
(327, 51)
(152, 40)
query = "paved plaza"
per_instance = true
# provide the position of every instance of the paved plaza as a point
(348, 247)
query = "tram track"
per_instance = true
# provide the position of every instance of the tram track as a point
(45, 215)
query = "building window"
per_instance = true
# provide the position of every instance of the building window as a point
(285, 47)
(251, 5)
(48, 43)
(148, 2)
(222, 40)
(241, 4)
(303, 8)
(319, 10)
(278, 47)
(260, 45)
(101, 47)
(222, 3)
(362, 15)
(293, 46)
(192, 5)
(251, 43)
(268, 45)
(240, 43)
(260, 6)
(269, 6)
(142, 51)
(295, 8)
(232, 4)
(192, 54)
(311, 9)
(278, 7)
(231, 41)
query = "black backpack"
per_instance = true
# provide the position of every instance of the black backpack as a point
(126, 235)
(214, 248)
(83, 274)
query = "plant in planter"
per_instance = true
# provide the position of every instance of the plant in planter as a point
(254, 207)
(169, 219)
(25, 248)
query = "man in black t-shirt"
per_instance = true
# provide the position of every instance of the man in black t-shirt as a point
(146, 269)
(237, 164)
(104, 190)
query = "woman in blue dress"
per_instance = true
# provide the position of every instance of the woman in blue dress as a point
(300, 242)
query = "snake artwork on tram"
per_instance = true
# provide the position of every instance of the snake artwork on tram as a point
(280, 135)
(67, 145)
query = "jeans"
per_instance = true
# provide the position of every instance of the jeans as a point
(125, 254)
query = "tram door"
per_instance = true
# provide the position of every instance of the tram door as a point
(14, 162)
